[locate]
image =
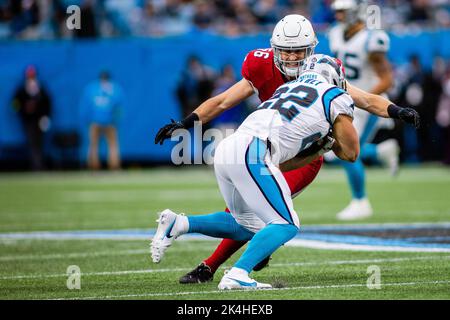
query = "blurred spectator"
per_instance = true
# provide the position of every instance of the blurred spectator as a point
(204, 14)
(266, 12)
(88, 21)
(232, 118)
(24, 15)
(443, 114)
(33, 105)
(36, 18)
(195, 86)
(419, 10)
(412, 94)
(101, 107)
(422, 89)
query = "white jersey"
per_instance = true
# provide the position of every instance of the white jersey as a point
(299, 113)
(354, 54)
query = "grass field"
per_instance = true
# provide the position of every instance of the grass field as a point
(35, 268)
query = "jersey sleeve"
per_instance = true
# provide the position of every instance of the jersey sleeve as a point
(341, 104)
(378, 41)
(245, 67)
(256, 66)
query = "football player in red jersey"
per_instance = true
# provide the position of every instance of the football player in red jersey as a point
(263, 71)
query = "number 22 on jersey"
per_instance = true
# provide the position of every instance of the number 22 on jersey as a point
(295, 98)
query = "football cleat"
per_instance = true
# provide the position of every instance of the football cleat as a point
(357, 209)
(233, 280)
(201, 274)
(163, 237)
(388, 152)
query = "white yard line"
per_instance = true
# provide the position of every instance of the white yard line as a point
(338, 286)
(274, 265)
(72, 255)
(324, 245)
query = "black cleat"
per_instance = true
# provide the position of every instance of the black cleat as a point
(201, 274)
(264, 263)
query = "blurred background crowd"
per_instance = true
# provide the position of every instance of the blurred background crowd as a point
(423, 84)
(45, 19)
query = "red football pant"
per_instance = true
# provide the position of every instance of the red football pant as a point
(297, 180)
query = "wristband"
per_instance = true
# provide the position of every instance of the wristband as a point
(188, 122)
(394, 111)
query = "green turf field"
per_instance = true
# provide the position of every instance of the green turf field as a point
(36, 268)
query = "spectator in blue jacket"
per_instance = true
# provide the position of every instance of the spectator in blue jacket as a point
(101, 108)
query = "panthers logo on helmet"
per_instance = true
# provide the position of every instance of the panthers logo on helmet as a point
(331, 69)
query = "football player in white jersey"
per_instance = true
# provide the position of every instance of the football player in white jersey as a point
(249, 164)
(363, 53)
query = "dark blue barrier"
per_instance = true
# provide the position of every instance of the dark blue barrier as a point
(148, 70)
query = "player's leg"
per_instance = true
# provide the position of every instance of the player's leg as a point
(300, 178)
(113, 148)
(297, 181)
(386, 152)
(267, 193)
(94, 136)
(219, 225)
(172, 225)
(359, 206)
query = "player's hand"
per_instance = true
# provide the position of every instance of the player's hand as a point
(167, 131)
(317, 147)
(410, 116)
(327, 144)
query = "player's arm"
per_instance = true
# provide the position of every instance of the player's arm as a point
(370, 102)
(383, 70)
(209, 109)
(346, 146)
(214, 106)
(381, 106)
(305, 157)
(297, 162)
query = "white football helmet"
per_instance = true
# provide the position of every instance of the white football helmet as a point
(328, 67)
(292, 33)
(354, 10)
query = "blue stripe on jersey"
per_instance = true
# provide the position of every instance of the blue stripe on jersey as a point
(329, 96)
(369, 129)
(266, 182)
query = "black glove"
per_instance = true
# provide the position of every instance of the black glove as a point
(411, 116)
(167, 131)
(407, 115)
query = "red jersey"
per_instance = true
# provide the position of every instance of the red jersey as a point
(259, 68)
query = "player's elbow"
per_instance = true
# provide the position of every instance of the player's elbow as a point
(353, 156)
(353, 152)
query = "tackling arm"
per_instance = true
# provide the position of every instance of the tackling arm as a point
(372, 103)
(382, 107)
(214, 106)
(209, 109)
